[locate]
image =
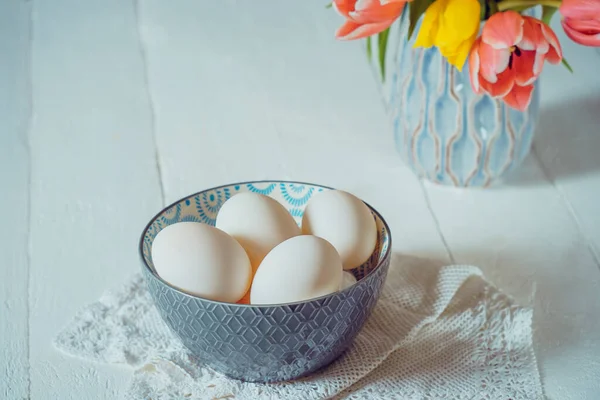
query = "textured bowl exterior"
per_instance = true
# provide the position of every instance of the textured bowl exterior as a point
(264, 343)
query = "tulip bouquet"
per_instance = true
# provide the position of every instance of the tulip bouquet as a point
(505, 49)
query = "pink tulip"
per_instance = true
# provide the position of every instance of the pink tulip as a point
(581, 21)
(508, 57)
(366, 17)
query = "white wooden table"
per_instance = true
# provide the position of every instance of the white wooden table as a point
(111, 108)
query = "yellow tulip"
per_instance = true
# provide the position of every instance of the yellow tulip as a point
(452, 26)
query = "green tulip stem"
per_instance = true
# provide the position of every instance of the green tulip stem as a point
(509, 4)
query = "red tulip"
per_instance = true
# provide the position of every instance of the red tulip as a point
(508, 57)
(581, 21)
(366, 17)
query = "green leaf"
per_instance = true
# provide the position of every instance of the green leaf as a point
(483, 5)
(329, 5)
(520, 9)
(382, 40)
(369, 49)
(415, 10)
(547, 13)
(488, 8)
(567, 65)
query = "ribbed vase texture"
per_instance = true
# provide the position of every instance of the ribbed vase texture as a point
(443, 130)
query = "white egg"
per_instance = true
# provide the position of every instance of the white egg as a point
(348, 279)
(202, 260)
(344, 221)
(257, 222)
(301, 268)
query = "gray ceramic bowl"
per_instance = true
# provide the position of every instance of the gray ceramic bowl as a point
(264, 343)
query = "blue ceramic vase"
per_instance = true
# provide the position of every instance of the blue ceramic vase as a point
(444, 131)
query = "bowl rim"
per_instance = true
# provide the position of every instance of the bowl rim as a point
(157, 215)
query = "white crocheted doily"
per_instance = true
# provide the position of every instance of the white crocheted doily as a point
(436, 333)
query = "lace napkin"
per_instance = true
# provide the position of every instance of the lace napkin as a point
(436, 333)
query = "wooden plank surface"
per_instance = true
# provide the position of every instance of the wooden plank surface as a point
(568, 138)
(94, 179)
(15, 112)
(534, 237)
(527, 243)
(252, 112)
(133, 102)
(566, 150)
(538, 236)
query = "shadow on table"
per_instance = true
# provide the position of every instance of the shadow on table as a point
(567, 143)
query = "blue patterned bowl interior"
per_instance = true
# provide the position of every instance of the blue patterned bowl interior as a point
(265, 343)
